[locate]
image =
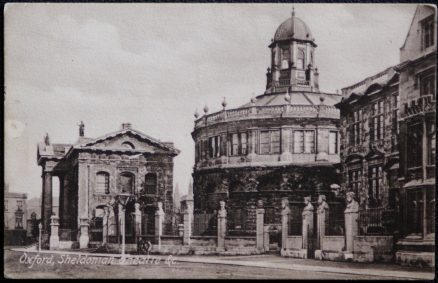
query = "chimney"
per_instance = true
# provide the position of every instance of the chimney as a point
(126, 126)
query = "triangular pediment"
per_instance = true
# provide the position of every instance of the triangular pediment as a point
(129, 140)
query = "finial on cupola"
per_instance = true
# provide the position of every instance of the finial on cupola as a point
(287, 96)
(81, 129)
(224, 103)
(253, 99)
(205, 109)
(47, 139)
(196, 114)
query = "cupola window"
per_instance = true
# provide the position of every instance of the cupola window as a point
(300, 59)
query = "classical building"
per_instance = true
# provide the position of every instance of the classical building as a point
(283, 143)
(93, 172)
(370, 139)
(15, 211)
(418, 138)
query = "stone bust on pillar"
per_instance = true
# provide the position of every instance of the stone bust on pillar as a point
(322, 205)
(285, 205)
(308, 209)
(222, 211)
(259, 204)
(352, 204)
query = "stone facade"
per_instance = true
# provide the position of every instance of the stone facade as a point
(418, 140)
(283, 143)
(93, 172)
(370, 139)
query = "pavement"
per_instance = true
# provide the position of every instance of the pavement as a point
(277, 262)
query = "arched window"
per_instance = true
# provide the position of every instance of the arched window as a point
(102, 183)
(300, 59)
(127, 183)
(128, 145)
(150, 183)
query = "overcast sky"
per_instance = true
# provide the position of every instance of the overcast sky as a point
(154, 64)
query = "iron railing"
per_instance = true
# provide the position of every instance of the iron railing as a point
(204, 224)
(378, 221)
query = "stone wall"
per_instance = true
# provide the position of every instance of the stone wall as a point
(294, 242)
(373, 248)
(333, 243)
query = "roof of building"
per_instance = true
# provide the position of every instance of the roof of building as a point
(58, 151)
(293, 28)
(296, 98)
(15, 195)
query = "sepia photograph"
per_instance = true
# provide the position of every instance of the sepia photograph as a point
(220, 141)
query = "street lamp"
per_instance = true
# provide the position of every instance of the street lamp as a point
(40, 227)
(122, 201)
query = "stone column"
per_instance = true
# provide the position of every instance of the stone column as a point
(285, 210)
(46, 210)
(111, 222)
(286, 155)
(322, 217)
(159, 218)
(252, 142)
(259, 225)
(188, 219)
(105, 225)
(307, 225)
(84, 238)
(351, 214)
(221, 226)
(54, 236)
(61, 201)
(137, 215)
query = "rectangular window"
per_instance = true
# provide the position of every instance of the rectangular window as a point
(235, 144)
(211, 147)
(333, 142)
(355, 179)
(414, 144)
(431, 148)
(375, 175)
(298, 141)
(19, 204)
(427, 85)
(6, 205)
(243, 143)
(264, 142)
(309, 142)
(102, 183)
(427, 32)
(275, 141)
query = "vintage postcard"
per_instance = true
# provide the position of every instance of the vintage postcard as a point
(220, 141)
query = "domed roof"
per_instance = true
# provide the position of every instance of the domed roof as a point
(293, 28)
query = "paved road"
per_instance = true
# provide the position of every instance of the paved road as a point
(162, 269)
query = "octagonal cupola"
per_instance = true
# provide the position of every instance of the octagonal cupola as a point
(292, 58)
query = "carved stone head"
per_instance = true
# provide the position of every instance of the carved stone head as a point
(137, 206)
(160, 205)
(222, 205)
(306, 200)
(259, 203)
(321, 199)
(350, 197)
(284, 203)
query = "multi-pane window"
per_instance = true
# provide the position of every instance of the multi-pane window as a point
(414, 144)
(427, 30)
(285, 56)
(375, 176)
(19, 204)
(395, 111)
(355, 179)
(304, 141)
(355, 128)
(415, 205)
(270, 142)
(239, 144)
(427, 85)
(333, 142)
(377, 121)
(214, 146)
(150, 183)
(102, 183)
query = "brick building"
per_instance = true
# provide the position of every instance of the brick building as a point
(283, 143)
(94, 171)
